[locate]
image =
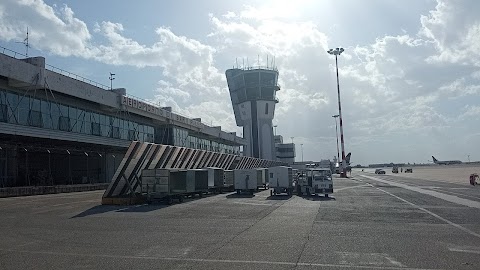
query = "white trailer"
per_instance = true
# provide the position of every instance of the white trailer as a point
(215, 179)
(262, 178)
(228, 182)
(245, 180)
(167, 184)
(280, 180)
(316, 182)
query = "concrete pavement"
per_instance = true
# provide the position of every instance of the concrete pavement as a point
(369, 224)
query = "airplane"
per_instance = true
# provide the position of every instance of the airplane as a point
(445, 162)
(337, 164)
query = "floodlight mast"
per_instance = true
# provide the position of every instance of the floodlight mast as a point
(337, 52)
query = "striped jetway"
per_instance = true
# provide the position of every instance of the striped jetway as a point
(217, 160)
(127, 182)
(193, 159)
(186, 158)
(199, 159)
(234, 163)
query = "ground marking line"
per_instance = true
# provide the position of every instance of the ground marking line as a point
(338, 189)
(214, 260)
(431, 213)
(461, 194)
(464, 250)
(446, 197)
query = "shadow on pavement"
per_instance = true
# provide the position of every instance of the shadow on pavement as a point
(317, 198)
(279, 197)
(242, 195)
(100, 209)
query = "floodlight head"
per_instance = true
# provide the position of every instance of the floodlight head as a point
(336, 115)
(336, 51)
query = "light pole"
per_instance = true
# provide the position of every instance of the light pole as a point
(111, 78)
(292, 138)
(336, 132)
(337, 52)
(275, 129)
(301, 145)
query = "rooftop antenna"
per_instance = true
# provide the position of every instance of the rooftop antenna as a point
(25, 42)
(111, 78)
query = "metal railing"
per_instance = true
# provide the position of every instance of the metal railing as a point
(17, 55)
(11, 53)
(258, 67)
(76, 77)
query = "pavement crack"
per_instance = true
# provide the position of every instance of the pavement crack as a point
(246, 229)
(306, 241)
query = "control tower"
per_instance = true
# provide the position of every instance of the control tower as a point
(253, 95)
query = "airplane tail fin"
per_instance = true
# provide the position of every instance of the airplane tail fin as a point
(434, 159)
(347, 158)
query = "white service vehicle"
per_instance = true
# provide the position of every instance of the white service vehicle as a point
(262, 178)
(215, 179)
(280, 180)
(245, 180)
(316, 182)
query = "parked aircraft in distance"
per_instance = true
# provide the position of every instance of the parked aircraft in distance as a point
(445, 162)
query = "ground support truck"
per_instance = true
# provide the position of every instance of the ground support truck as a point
(215, 180)
(262, 178)
(315, 182)
(169, 185)
(228, 182)
(280, 180)
(245, 180)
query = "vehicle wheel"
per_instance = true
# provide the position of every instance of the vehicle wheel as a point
(238, 192)
(326, 195)
(271, 192)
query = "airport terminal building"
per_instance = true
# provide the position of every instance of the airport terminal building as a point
(58, 128)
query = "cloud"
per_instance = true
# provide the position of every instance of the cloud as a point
(454, 28)
(396, 89)
(470, 111)
(70, 37)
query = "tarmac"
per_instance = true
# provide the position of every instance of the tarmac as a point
(370, 222)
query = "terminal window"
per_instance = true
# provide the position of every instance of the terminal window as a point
(96, 129)
(3, 113)
(35, 119)
(64, 123)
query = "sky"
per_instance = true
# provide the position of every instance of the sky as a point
(409, 76)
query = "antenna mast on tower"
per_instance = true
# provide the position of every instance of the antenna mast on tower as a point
(25, 42)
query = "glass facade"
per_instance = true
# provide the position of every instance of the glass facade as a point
(42, 113)
(182, 137)
(253, 85)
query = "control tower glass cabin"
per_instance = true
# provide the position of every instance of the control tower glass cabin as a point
(253, 95)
